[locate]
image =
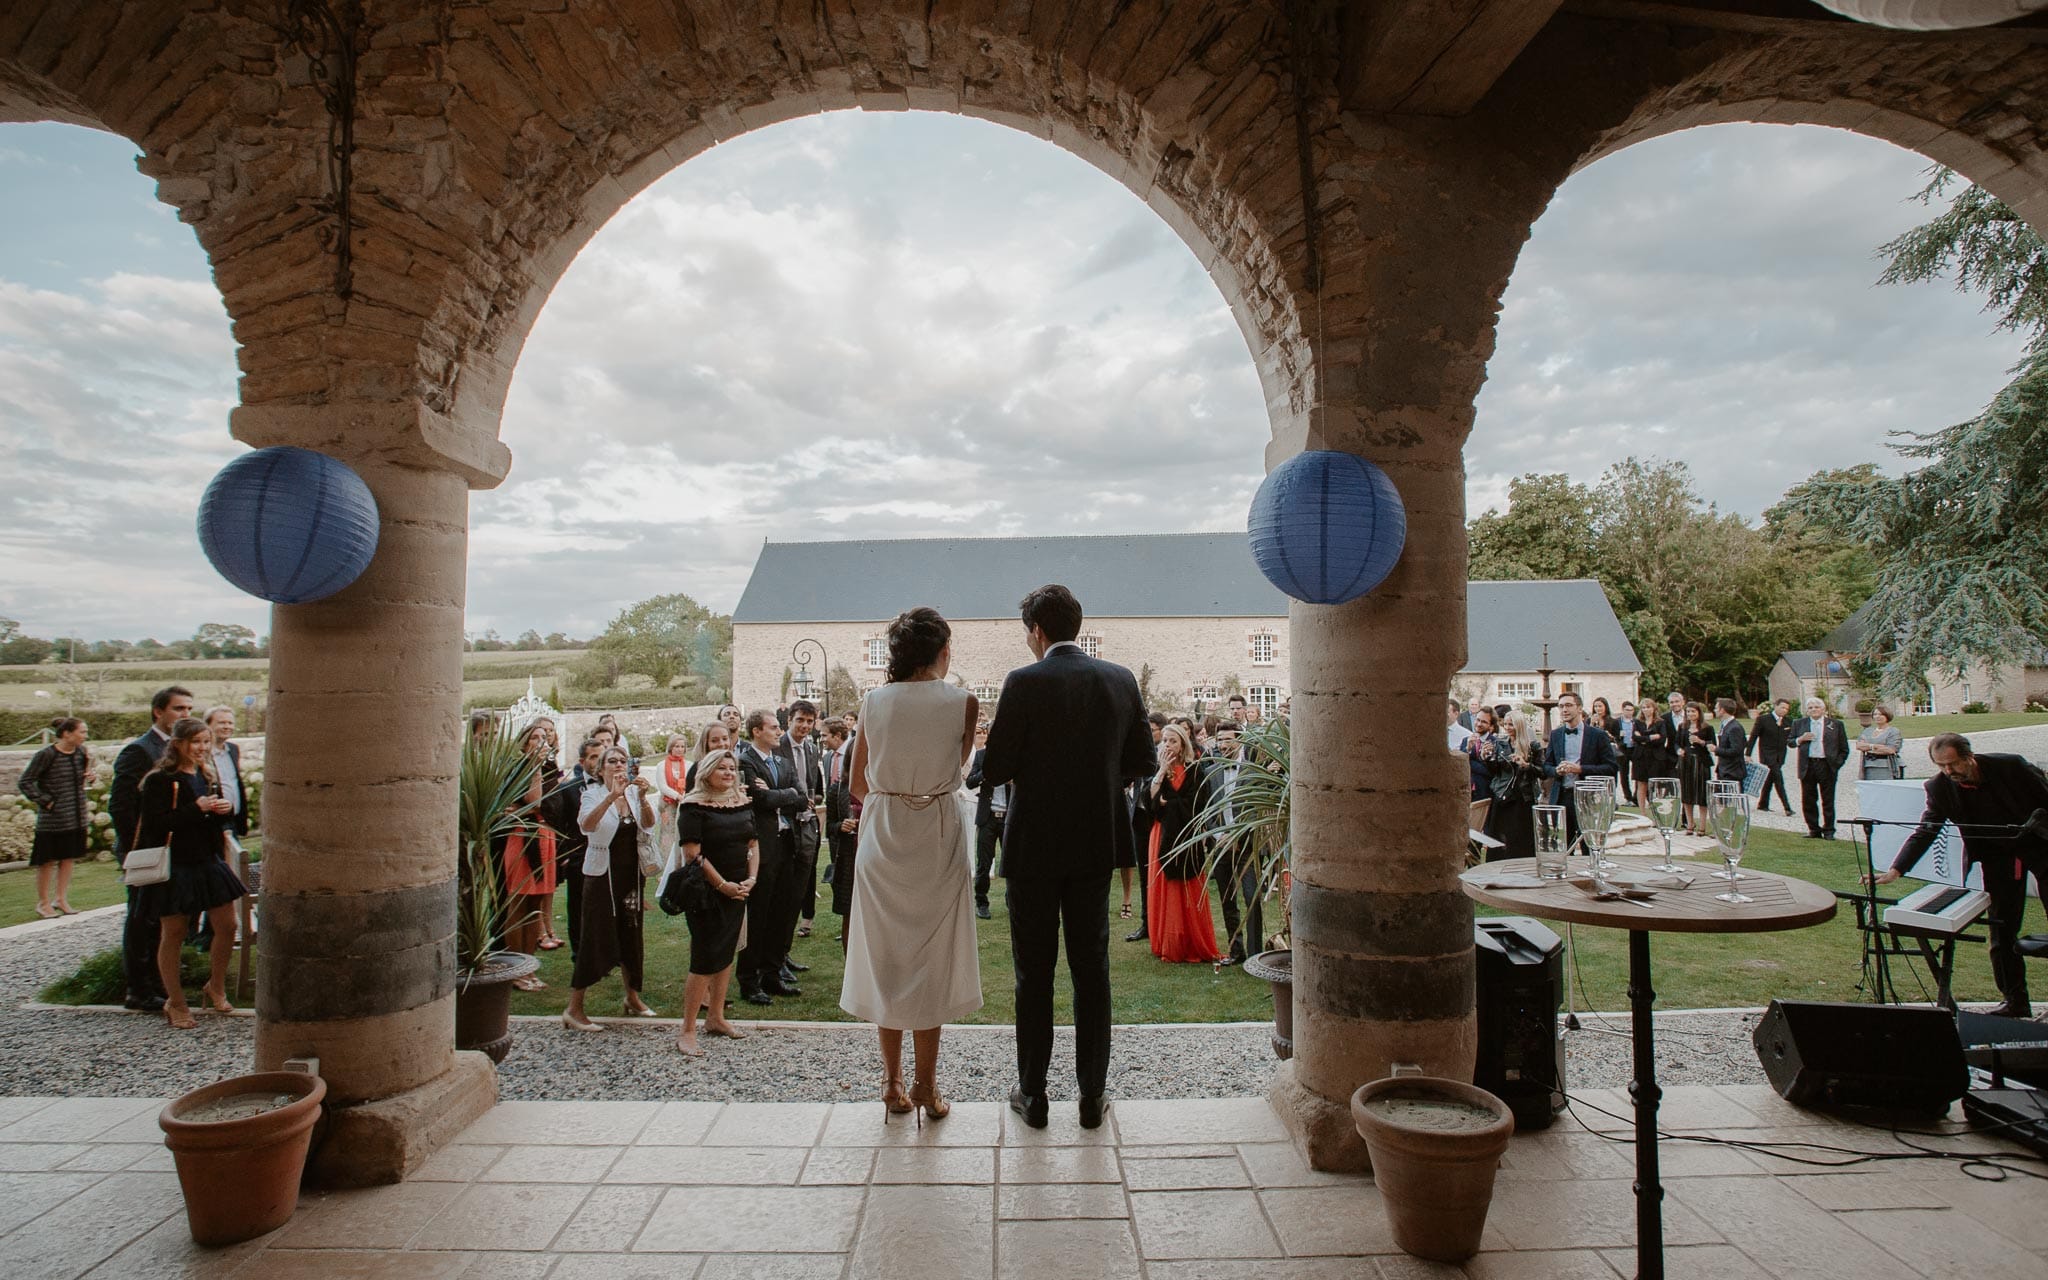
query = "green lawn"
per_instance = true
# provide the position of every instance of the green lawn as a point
(93, 884)
(1928, 726)
(1691, 970)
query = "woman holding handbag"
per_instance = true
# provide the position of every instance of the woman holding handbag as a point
(616, 817)
(720, 861)
(182, 809)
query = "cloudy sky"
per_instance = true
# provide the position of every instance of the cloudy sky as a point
(903, 325)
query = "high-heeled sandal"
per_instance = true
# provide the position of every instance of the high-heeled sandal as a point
(173, 1017)
(569, 1021)
(1126, 912)
(895, 1102)
(217, 1000)
(925, 1098)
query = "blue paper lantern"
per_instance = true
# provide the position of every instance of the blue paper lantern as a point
(1327, 526)
(288, 525)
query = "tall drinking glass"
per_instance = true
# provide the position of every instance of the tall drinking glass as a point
(1664, 811)
(1716, 788)
(1593, 797)
(1728, 811)
(1550, 841)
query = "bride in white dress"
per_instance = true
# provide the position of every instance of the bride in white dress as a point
(911, 962)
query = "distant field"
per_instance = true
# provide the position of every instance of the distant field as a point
(497, 677)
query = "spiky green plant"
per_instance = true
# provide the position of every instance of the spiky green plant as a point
(1254, 833)
(494, 780)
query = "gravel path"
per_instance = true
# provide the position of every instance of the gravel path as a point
(96, 1052)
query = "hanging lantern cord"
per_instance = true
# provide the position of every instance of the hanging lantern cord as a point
(1297, 54)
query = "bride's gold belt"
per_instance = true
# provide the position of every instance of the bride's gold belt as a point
(914, 800)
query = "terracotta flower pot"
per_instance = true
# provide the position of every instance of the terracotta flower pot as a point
(483, 1003)
(1277, 968)
(240, 1174)
(1434, 1167)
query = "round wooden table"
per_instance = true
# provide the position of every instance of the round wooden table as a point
(1780, 903)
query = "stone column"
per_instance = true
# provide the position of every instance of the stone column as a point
(357, 936)
(1421, 238)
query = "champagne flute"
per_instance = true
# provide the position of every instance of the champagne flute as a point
(1729, 813)
(1717, 788)
(1593, 798)
(1664, 811)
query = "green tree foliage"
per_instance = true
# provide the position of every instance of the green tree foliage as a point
(1707, 601)
(16, 647)
(663, 638)
(1960, 542)
(223, 640)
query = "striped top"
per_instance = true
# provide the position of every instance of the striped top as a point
(55, 783)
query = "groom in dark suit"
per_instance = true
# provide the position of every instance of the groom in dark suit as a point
(1070, 732)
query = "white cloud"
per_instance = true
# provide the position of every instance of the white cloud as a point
(899, 325)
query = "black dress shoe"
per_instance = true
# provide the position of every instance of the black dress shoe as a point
(756, 996)
(1136, 935)
(1091, 1111)
(781, 988)
(1031, 1106)
(982, 912)
(2011, 1010)
(144, 1004)
(791, 966)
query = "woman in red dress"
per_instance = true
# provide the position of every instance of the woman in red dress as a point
(530, 857)
(1181, 927)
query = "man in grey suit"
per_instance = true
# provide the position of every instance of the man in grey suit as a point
(1070, 732)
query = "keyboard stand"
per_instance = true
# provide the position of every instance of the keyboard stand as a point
(1882, 941)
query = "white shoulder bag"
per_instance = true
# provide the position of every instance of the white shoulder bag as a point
(153, 865)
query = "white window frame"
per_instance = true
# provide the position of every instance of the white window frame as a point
(1266, 697)
(1205, 694)
(1512, 690)
(1264, 645)
(986, 692)
(878, 653)
(1091, 644)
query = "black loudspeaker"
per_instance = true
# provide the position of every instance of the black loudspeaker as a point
(1521, 984)
(1862, 1055)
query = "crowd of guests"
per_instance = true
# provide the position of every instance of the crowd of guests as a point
(176, 787)
(1515, 766)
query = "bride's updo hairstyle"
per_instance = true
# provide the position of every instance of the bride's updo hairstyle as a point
(916, 639)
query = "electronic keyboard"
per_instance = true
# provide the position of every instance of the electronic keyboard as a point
(1938, 908)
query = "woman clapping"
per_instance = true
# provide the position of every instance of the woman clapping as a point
(611, 936)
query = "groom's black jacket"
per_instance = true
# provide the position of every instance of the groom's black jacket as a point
(1069, 732)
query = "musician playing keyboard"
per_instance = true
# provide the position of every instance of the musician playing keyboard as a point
(1989, 798)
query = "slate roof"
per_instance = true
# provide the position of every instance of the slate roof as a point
(1848, 637)
(1173, 575)
(1805, 663)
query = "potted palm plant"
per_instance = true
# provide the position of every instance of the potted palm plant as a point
(496, 774)
(1246, 832)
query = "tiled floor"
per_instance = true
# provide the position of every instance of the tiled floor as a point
(1171, 1191)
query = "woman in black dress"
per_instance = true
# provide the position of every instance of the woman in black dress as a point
(182, 807)
(1656, 753)
(715, 823)
(611, 935)
(1695, 767)
(55, 783)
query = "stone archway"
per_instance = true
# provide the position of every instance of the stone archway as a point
(492, 140)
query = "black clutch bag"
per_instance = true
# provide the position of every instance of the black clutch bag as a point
(686, 889)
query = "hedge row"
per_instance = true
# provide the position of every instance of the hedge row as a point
(50, 672)
(107, 726)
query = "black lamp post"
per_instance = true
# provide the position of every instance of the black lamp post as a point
(803, 653)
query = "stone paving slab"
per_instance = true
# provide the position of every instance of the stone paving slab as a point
(1168, 1190)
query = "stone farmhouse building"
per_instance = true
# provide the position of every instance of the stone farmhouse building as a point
(1825, 670)
(387, 194)
(1189, 612)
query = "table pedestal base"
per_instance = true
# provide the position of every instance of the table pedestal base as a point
(1643, 1089)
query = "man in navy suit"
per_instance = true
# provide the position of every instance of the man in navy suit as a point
(1070, 731)
(1578, 749)
(1823, 747)
(773, 906)
(124, 803)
